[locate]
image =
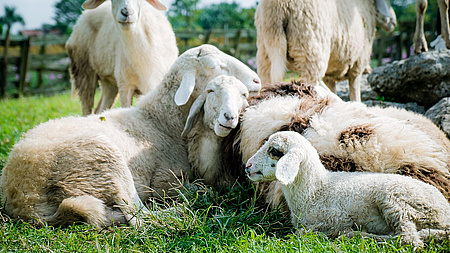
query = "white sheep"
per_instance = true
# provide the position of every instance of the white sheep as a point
(86, 166)
(349, 136)
(329, 39)
(218, 110)
(335, 203)
(127, 45)
(420, 43)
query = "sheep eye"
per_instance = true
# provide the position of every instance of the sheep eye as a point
(209, 91)
(275, 153)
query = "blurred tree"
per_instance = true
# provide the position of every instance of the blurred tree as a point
(66, 15)
(9, 19)
(226, 15)
(182, 14)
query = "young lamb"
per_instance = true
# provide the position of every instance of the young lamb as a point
(420, 43)
(218, 110)
(81, 168)
(349, 136)
(335, 203)
(128, 45)
(329, 39)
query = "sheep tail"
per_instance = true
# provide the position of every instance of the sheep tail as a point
(82, 208)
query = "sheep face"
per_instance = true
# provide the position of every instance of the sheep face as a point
(280, 158)
(204, 63)
(221, 103)
(125, 12)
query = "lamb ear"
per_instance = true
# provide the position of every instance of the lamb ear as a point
(92, 4)
(287, 167)
(194, 114)
(383, 8)
(158, 5)
(186, 87)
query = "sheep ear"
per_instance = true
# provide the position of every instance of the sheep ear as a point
(158, 5)
(92, 4)
(287, 167)
(194, 114)
(186, 87)
(383, 8)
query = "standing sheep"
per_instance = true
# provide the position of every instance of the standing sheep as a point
(330, 39)
(335, 203)
(127, 45)
(420, 43)
(80, 168)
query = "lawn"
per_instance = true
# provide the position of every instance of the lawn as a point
(231, 220)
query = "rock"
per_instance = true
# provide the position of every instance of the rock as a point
(440, 115)
(422, 78)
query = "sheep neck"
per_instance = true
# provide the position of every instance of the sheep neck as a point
(309, 181)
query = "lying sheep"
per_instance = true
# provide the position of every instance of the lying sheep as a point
(420, 43)
(339, 202)
(348, 136)
(81, 168)
(218, 110)
(128, 51)
(320, 39)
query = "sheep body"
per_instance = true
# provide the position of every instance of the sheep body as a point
(338, 202)
(313, 38)
(125, 60)
(120, 157)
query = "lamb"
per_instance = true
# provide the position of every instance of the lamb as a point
(81, 168)
(420, 43)
(335, 203)
(349, 136)
(128, 51)
(218, 110)
(314, 38)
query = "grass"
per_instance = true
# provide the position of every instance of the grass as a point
(231, 220)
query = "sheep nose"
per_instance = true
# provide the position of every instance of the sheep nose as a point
(126, 12)
(247, 168)
(256, 80)
(228, 117)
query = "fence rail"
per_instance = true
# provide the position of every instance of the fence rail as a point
(33, 54)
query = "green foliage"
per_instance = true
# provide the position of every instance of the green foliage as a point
(226, 15)
(183, 14)
(66, 15)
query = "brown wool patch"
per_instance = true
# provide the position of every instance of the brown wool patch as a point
(428, 175)
(232, 162)
(284, 89)
(333, 163)
(355, 135)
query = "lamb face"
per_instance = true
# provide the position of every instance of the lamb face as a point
(126, 13)
(208, 62)
(224, 98)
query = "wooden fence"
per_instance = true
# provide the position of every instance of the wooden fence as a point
(46, 54)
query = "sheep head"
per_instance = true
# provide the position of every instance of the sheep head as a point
(385, 16)
(125, 12)
(220, 104)
(280, 158)
(198, 66)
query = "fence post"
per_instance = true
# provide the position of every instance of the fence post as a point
(24, 57)
(42, 65)
(4, 67)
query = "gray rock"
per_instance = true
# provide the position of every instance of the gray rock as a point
(411, 106)
(422, 78)
(440, 115)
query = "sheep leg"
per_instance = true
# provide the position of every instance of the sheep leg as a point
(445, 30)
(126, 95)
(331, 84)
(420, 43)
(438, 235)
(109, 96)
(354, 87)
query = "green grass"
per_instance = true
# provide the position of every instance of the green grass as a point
(232, 220)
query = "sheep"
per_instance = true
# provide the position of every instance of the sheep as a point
(319, 39)
(128, 45)
(218, 110)
(420, 43)
(349, 136)
(380, 205)
(80, 168)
